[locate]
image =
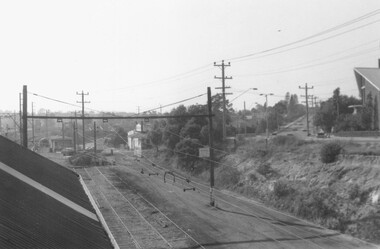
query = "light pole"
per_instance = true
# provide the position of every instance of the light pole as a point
(266, 116)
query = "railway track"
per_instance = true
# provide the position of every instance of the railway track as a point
(133, 220)
(294, 233)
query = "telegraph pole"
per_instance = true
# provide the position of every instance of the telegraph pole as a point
(15, 125)
(33, 123)
(20, 113)
(210, 144)
(307, 105)
(223, 78)
(245, 121)
(75, 131)
(75, 138)
(83, 102)
(24, 116)
(266, 117)
(47, 128)
(95, 139)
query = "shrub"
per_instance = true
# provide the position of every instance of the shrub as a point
(264, 169)
(282, 188)
(329, 152)
(354, 192)
(228, 176)
(284, 140)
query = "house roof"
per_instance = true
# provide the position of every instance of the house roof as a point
(372, 75)
(43, 204)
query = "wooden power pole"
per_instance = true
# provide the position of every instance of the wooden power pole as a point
(307, 105)
(211, 144)
(223, 78)
(83, 102)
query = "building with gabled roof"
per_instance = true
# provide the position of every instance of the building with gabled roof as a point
(368, 81)
(44, 205)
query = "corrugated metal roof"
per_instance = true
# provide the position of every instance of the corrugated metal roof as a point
(372, 75)
(32, 218)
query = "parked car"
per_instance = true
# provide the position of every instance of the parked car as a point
(68, 151)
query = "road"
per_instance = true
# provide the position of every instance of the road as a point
(143, 211)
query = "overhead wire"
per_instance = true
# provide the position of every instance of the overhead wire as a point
(314, 60)
(184, 178)
(248, 212)
(263, 53)
(180, 76)
(367, 51)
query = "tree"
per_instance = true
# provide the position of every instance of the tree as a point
(295, 109)
(188, 152)
(325, 117)
(191, 129)
(336, 100)
(155, 135)
(287, 98)
(180, 110)
(196, 110)
(367, 113)
(217, 110)
(171, 135)
(376, 114)
(120, 138)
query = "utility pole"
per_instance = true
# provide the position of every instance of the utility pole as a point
(138, 109)
(33, 124)
(83, 102)
(20, 113)
(15, 125)
(75, 132)
(245, 121)
(266, 117)
(223, 78)
(307, 105)
(75, 138)
(63, 132)
(46, 124)
(25, 116)
(210, 144)
(95, 139)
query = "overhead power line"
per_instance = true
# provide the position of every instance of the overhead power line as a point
(264, 53)
(175, 103)
(360, 53)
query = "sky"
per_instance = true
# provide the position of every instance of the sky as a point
(138, 55)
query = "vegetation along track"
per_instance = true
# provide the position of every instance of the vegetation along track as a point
(314, 235)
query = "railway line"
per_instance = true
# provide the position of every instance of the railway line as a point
(131, 214)
(155, 223)
(316, 236)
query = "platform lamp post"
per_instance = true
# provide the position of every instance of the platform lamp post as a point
(266, 117)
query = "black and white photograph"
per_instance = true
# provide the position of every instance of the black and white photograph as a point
(190, 124)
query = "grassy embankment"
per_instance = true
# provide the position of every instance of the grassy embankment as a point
(290, 176)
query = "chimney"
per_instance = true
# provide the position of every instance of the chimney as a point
(379, 62)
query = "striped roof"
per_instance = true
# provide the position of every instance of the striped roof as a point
(43, 204)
